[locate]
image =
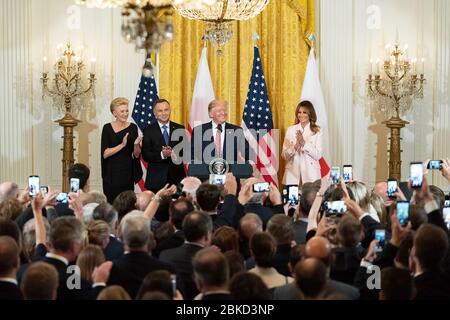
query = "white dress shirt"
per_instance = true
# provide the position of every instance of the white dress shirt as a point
(222, 135)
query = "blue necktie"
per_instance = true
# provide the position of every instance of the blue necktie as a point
(165, 135)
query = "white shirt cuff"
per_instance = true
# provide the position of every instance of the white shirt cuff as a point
(98, 284)
(162, 156)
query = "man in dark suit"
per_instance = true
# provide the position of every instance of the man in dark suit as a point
(178, 209)
(211, 274)
(197, 229)
(164, 166)
(218, 138)
(9, 264)
(130, 270)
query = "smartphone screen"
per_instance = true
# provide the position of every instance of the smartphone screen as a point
(74, 184)
(416, 174)
(435, 165)
(335, 174)
(218, 179)
(380, 236)
(62, 198)
(293, 197)
(391, 188)
(403, 212)
(33, 185)
(348, 173)
(261, 187)
(44, 190)
(335, 207)
(446, 214)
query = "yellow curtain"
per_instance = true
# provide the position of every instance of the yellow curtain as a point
(283, 27)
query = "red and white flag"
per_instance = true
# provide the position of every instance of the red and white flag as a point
(312, 91)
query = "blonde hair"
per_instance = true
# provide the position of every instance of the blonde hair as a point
(98, 232)
(118, 102)
(90, 257)
(215, 103)
(113, 293)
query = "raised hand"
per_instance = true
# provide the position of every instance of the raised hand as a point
(230, 184)
(275, 195)
(124, 140)
(138, 140)
(446, 169)
(167, 190)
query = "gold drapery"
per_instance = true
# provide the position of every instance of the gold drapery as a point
(283, 27)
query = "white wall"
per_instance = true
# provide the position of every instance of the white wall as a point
(346, 44)
(30, 141)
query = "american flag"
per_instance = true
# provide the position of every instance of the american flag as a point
(257, 123)
(142, 113)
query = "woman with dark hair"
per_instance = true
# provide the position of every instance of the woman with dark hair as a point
(302, 147)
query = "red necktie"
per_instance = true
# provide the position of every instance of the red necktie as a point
(218, 142)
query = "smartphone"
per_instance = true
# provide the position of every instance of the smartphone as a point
(447, 201)
(62, 198)
(403, 212)
(335, 175)
(44, 190)
(435, 165)
(292, 195)
(416, 174)
(179, 192)
(74, 184)
(348, 173)
(380, 236)
(33, 185)
(261, 187)
(391, 187)
(335, 208)
(217, 179)
(173, 282)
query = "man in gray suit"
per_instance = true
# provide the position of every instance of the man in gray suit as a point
(320, 248)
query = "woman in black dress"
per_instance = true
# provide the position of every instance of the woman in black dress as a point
(120, 150)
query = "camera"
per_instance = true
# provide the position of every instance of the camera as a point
(348, 173)
(261, 187)
(335, 174)
(33, 185)
(435, 165)
(416, 173)
(74, 184)
(403, 212)
(62, 198)
(217, 179)
(44, 190)
(391, 188)
(335, 208)
(380, 237)
(291, 195)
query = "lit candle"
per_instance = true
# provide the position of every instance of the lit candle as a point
(371, 66)
(413, 65)
(93, 61)
(44, 64)
(378, 66)
(423, 66)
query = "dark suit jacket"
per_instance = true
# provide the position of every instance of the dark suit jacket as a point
(130, 270)
(281, 259)
(181, 258)
(216, 296)
(300, 231)
(114, 249)
(85, 292)
(202, 138)
(161, 171)
(432, 285)
(174, 241)
(9, 291)
(291, 292)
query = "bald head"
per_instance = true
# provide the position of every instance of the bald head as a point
(190, 185)
(318, 247)
(143, 199)
(311, 278)
(380, 188)
(250, 224)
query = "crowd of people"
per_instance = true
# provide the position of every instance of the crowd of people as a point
(213, 242)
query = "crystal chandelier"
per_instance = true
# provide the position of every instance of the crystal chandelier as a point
(219, 14)
(146, 23)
